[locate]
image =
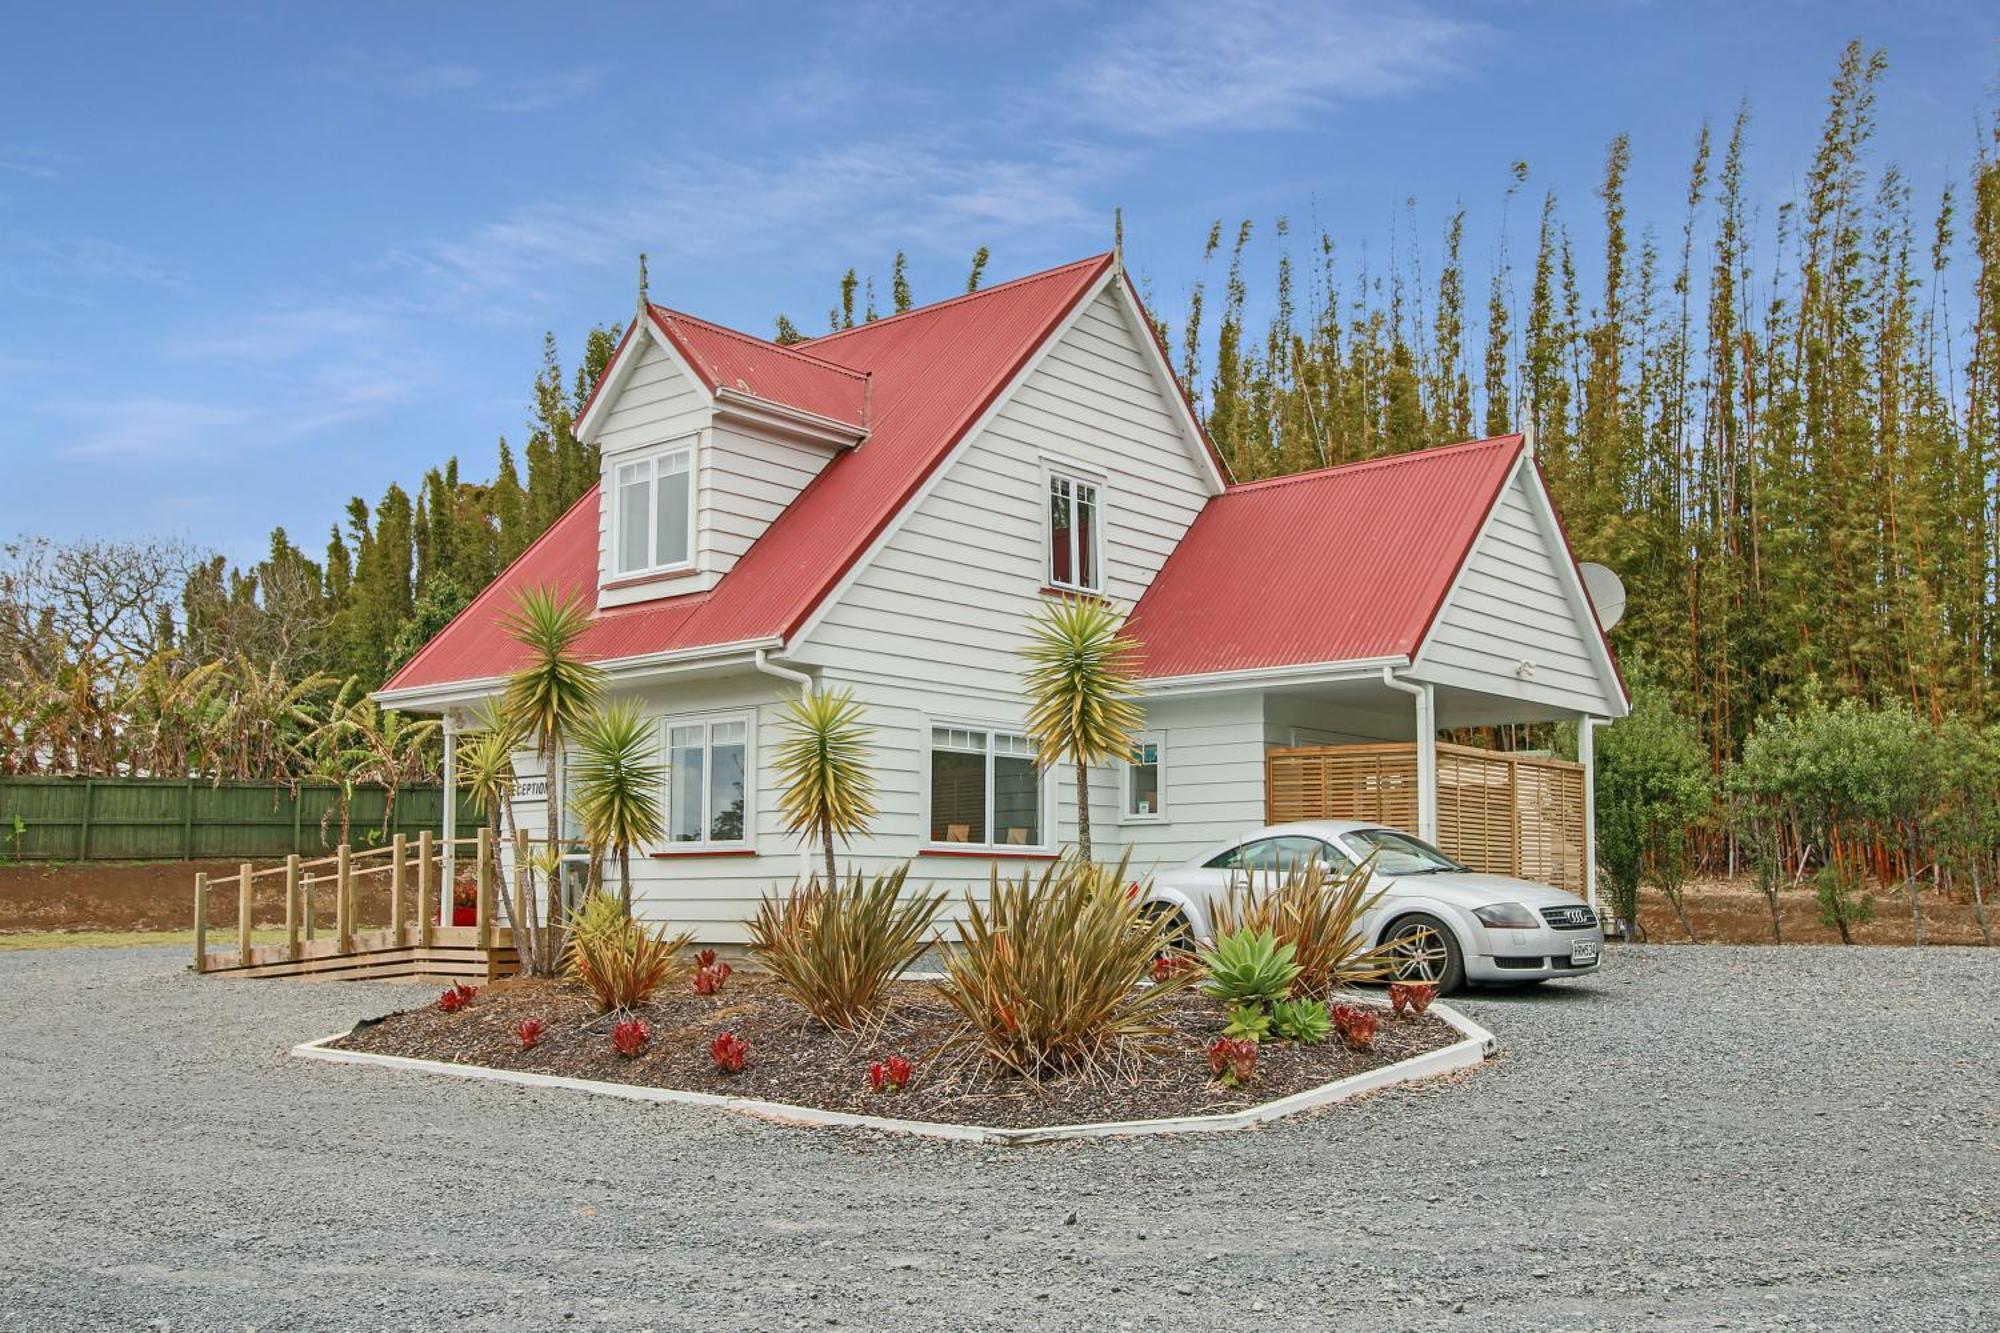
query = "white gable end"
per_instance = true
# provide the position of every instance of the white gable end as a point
(1516, 624)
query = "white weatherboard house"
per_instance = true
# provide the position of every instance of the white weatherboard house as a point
(882, 508)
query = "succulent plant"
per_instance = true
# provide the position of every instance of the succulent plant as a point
(1303, 1021)
(1249, 967)
(1249, 1022)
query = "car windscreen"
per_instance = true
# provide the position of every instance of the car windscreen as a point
(1398, 853)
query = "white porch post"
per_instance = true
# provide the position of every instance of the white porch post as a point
(1427, 766)
(1586, 753)
(450, 816)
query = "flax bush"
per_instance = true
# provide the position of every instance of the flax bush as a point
(1047, 972)
(621, 962)
(1319, 915)
(836, 948)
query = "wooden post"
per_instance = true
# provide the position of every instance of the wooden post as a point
(426, 898)
(292, 906)
(201, 922)
(343, 900)
(483, 913)
(397, 850)
(306, 891)
(244, 872)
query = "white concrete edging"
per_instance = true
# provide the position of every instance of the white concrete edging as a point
(1472, 1048)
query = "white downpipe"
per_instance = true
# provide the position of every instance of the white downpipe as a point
(1586, 754)
(1427, 755)
(450, 816)
(805, 683)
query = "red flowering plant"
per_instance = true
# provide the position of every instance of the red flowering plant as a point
(629, 1037)
(1357, 1026)
(1410, 998)
(457, 997)
(1233, 1060)
(529, 1032)
(708, 978)
(1172, 964)
(706, 958)
(728, 1051)
(890, 1075)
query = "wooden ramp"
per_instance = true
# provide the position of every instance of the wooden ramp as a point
(411, 943)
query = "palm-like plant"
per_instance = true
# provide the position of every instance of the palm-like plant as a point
(547, 698)
(823, 768)
(1082, 702)
(486, 773)
(617, 786)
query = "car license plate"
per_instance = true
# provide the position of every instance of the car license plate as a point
(1583, 953)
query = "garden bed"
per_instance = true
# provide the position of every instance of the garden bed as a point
(793, 1061)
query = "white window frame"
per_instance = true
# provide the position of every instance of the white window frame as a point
(1053, 471)
(652, 459)
(1158, 815)
(707, 722)
(1045, 777)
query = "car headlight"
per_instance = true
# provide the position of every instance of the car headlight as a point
(1507, 916)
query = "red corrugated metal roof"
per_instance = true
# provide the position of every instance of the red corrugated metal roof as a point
(725, 358)
(1339, 565)
(934, 370)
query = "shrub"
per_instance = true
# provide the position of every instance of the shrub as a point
(620, 962)
(1653, 785)
(1409, 999)
(1357, 1025)
(1249, 967)
(1318, 914)
(529, 1031)
(1249, 1021)
(1172, 964)
(890, 1075)
(630, 1036)
(728, 1051)
(1303, 1021)
(835, 949)
(1047, 971)
(1233, 1060)
(457, 997)
(708, 980)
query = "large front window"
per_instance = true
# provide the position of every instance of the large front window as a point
(985, 789)
(707, 779)
(655, 514)
(1075, 517)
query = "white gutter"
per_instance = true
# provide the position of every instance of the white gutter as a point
(1427, 784)
(1251, 678)
(431, 697)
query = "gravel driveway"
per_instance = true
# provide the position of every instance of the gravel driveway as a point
(1699, 1138)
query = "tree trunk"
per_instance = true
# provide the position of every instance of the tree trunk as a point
(1979, 905)
(826, 845)
(551, 814)
(1082, 811)
(1674, 896)
(523, 931)
(625, 879)
(1771, 900)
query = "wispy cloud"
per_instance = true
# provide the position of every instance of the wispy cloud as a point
(470, 85)
(35, 163)
(69, 268)
(1186, 67)
(136, 428)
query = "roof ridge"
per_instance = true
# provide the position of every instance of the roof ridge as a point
(762, 344)
(1366, 464)
(962, 297)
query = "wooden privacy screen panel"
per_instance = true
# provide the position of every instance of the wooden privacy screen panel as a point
(1501, 813)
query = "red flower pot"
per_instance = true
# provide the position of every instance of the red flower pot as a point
(464, 916)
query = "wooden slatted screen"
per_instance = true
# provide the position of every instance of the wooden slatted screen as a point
(1504, 814)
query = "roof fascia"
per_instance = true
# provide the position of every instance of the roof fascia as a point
(1170, 387)
(613, 378)
(1261, 678)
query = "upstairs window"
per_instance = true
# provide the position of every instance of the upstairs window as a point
(1075, 544)
(654, 519)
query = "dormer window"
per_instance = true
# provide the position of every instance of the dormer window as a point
(1075, 536)
(655, 513)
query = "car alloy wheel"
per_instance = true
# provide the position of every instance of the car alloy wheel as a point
(1421, 950)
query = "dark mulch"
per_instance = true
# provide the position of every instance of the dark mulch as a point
(794, 1060)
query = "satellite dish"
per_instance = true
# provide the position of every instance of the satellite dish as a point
(1607, 593)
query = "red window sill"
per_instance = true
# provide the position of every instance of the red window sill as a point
(673, 852)
(991, 853)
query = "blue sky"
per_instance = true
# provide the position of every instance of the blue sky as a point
(256, 259)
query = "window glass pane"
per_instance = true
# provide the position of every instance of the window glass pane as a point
(684, 769)
(958, 796)
(633, 491)
(1060, 568)
(1261, 855)
(1086, 536)
(1142, 780)
(725, 785)
(1228, 860)
(671, 516)
(1017, 801)
(1296, 853)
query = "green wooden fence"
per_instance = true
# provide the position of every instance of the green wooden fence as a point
(155, 819)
